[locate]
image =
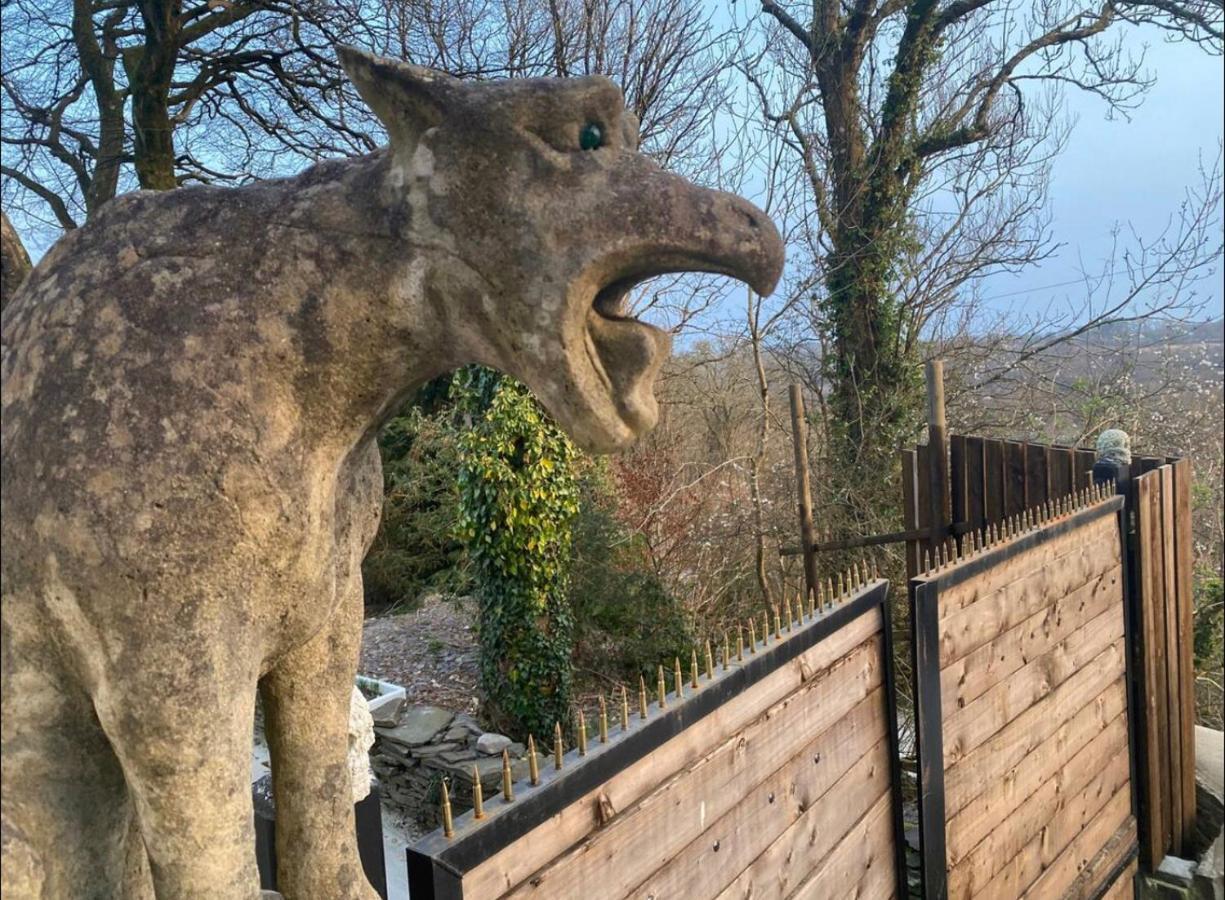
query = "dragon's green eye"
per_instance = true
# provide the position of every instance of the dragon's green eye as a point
(591, 137)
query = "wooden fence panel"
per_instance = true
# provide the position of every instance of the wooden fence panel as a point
(1161, 499)
(777, 777)
(1022, 711)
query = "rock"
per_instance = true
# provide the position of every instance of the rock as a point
(386, 710)
(489, 744)
(418, 725)
(516, 750)
(456, 733)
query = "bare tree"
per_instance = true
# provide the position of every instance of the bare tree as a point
(100, 96)
(920, 134)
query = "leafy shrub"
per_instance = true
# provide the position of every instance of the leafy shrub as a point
(626, 622)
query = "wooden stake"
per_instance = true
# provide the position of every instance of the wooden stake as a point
(799, 444)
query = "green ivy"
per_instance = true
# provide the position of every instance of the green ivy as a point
(518, 498)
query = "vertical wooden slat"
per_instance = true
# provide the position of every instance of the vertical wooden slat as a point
(1014, 457)
(957, 477)
(1183, 562)
(1061, 476)
(1147, 538)
(993, 472)
(1169, 597)
(1037, 488)
(910, 512)
(976, 509)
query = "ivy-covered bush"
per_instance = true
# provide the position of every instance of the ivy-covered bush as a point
(517, 500)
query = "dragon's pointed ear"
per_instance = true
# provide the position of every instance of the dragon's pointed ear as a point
(408, 99)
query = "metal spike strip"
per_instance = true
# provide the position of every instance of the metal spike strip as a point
(533, 764)
(508, 784)
(661, 688)
(582, 733)
(625, 709)
(448, 826)
(603, 720)
(710, 662)
(642, 697)
(558, 750)
(478, 797)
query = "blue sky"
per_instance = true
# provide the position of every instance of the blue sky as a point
(1129, 171)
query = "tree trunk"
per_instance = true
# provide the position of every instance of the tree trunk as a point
(150, 70)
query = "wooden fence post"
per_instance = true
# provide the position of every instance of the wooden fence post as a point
(938, 456)
(808, 537)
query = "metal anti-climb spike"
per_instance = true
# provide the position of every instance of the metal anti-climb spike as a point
(625, 709)
(448, 826)
(693, 669)
(727, 651)
(603, 720)
(678, 680)
(710, 662)
(508, 784)
(582, 733)
(661, 688)
(533, 763)
(558, 750)
(830, 596)
(739, 642)
(478, 797)
(787, 609)
(778, 625)
(642, 697)
(765, 627)
(812, 602)
(752, 636)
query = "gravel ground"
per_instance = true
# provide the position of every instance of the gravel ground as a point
(431, 652)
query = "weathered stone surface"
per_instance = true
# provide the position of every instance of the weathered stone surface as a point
(361, 739)
(192, 386)
(491, 743)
